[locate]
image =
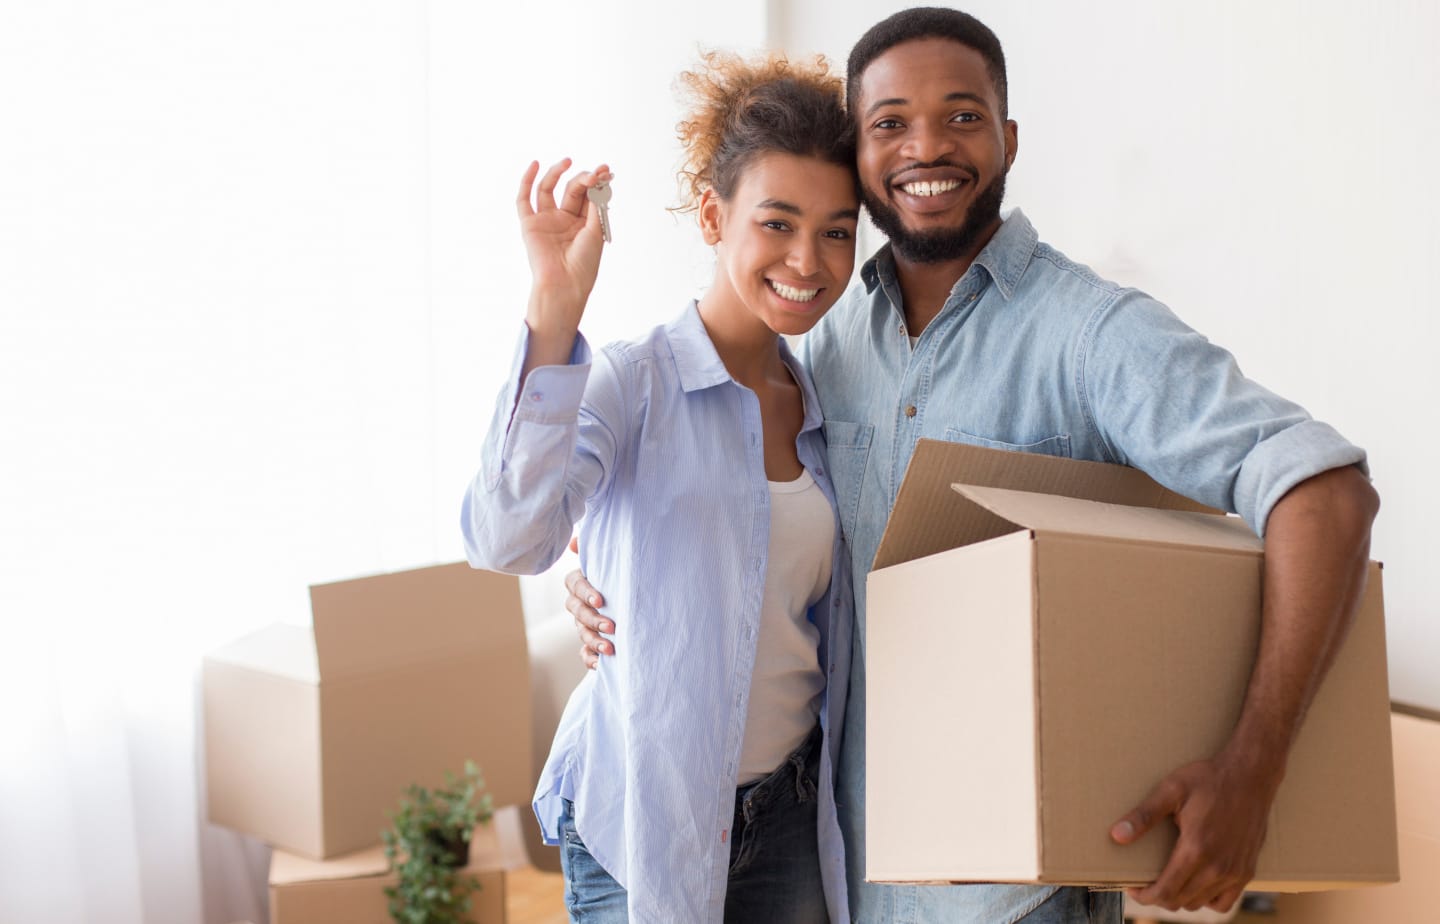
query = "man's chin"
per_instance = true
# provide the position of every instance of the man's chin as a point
(944, 243)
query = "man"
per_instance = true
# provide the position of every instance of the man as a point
(967, 328)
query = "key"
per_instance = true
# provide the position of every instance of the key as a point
(599, 196)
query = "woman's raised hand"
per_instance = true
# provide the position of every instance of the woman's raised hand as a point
(563, 241)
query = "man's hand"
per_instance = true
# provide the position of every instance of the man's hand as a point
(1221, 809)
(583, 602)
(1317, 547)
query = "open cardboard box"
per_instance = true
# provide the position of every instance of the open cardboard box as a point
(1046, 639)
(351, 889)
(1416, 735)
(312, 737)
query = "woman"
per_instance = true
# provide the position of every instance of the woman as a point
(691, 775)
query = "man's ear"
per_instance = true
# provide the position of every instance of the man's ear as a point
(1012, 142)
(709, 215)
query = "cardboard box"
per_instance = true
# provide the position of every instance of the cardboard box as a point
(351, 889)
(311, 738)
(1049, 659)
(1416, 734)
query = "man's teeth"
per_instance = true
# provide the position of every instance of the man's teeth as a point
(930, 189)
(793, 294)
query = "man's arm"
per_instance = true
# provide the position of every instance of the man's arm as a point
(1317, 549)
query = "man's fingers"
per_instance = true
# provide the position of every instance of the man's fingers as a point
(589, 658)
(593, 641)
(1165, 799)
(1227, 899)
(575, 548)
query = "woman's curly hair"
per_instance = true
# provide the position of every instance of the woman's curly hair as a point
(739, 109)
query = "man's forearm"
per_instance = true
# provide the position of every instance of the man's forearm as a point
(1317, 551)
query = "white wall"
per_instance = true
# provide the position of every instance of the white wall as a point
(1268, 170)
(259, 282)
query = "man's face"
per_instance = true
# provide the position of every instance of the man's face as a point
(933, 149)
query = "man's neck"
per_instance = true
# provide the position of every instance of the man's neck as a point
(925, 287)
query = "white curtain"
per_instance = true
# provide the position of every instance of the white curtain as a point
(259, 281)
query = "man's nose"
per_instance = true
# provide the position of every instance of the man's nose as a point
(928, 142)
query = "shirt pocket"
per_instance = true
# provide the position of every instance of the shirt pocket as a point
(848, 447)
(1050, 446)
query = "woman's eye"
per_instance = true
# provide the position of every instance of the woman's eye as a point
(839, 234)
(887, 124)
(776, 225)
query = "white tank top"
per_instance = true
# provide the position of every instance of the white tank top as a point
(786, 686)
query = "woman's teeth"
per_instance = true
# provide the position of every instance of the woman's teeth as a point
(930, 189)
(793, 294)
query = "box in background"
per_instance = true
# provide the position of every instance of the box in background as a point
(351, 889)
(312, 737)
(1416, 733)
(1055, 657)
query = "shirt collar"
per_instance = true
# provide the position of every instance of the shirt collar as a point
(700, 366)
(695, 357)
(1005, 257)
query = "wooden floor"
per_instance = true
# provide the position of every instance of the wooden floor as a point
(535, 897)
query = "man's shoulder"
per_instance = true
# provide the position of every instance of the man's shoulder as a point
(1054, 279)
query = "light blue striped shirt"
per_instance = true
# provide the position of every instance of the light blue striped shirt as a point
(659, 455)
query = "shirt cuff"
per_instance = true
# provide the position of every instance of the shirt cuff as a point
(551, 394)
(1284, 460)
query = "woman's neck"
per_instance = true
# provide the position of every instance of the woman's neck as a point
(749, 349)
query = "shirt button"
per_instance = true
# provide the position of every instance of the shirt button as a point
(910, 411)
(973, 297)
(537, 396)
(902, 329)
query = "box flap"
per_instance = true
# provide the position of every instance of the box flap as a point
(927, 514)
(283, 650)
(1055, 515)
(499, 845)
(409, 616)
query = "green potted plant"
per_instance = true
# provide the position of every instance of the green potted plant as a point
(428, 843)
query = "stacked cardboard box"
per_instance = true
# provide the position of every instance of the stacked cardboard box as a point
(1416, 733)
(311, 737)
(1056, 636)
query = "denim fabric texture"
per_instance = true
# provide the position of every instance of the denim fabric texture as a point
(1031, 353)
(774, 875)
(658, 453)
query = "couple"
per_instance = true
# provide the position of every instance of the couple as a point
(713, 766)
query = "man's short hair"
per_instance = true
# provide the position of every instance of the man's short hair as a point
(927, 22)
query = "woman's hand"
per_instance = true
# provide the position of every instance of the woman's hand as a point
(563, 242)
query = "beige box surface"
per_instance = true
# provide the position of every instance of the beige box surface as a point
(351, 889)
(1052, 637)
(312, 737)
(1416, 736)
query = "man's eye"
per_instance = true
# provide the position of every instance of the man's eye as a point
(966, 117)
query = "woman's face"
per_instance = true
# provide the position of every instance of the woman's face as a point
(785, 239)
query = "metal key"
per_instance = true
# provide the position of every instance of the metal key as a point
(599, 196)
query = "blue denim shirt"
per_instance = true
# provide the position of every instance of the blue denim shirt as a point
(1033, 353)
(662, 453)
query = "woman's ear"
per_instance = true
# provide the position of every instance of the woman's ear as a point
(709, 214)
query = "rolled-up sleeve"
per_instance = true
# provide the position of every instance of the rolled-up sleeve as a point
(1165, 400)
(551, 444)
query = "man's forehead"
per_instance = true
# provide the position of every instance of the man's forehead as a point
(925, 69)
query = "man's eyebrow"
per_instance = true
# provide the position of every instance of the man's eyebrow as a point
(949, 98)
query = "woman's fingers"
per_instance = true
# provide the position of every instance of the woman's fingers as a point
(522, 201)
(545, 193)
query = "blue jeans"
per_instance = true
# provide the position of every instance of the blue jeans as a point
(774, 854)
(1078, 905)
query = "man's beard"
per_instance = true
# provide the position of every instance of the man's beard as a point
(943, 244)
